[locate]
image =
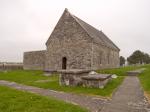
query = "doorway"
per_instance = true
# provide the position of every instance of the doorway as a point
(64, 63)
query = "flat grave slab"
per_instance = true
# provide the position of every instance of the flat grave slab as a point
(72, 77)
(96, 81)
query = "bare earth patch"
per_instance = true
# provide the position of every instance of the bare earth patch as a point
(42, 81)
(147, 95)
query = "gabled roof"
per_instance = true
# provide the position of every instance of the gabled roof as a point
(97, 36)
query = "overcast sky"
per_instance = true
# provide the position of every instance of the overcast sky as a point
(25, 25)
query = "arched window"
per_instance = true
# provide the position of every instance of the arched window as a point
(108, 57)
(100, 57)
(64, 63)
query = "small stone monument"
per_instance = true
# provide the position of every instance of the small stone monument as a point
(72, 77)
(97, 80)
(85, 78)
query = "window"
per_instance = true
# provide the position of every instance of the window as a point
(100, 57)
(108, 57)
(64, 63)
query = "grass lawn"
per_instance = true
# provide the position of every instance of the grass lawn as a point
(12, 100)
(119, 71)
(32, 77)
(145, 79)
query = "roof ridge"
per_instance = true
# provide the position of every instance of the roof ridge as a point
(80, 24)
(109, 39)
(96, 35)
(102, 39)
(77, 19)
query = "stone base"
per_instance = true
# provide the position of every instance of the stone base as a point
(72, 77)
(135, 72)
(96, 81)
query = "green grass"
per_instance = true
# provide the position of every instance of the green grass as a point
(81, 90)
(119, 71)
(12, 100)
(145, 78)
(31, 78)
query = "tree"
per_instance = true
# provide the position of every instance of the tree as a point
(138, 57)
(146, 58)
(122, 60)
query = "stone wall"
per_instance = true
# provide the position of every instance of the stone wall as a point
(34, 60)
(104, 57)
(70, 45)
(73, 42)
(68, 40)
(10, 66)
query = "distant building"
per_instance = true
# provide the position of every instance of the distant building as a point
(74, 44)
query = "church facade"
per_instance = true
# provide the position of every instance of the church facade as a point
(74, 44)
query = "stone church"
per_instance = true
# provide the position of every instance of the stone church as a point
(74, 44)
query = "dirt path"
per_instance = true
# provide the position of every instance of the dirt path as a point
(128, 98)
(94, 104)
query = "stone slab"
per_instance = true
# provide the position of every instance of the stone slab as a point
(135, 72)
(72, 77)
(97, 77)
(73, 71)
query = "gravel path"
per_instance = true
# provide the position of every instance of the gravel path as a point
(129, 97)
(94, 104)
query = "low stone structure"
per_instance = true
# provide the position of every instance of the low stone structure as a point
(72, 77)
(10, 66)
(135, 72)
(97, 81)
(34, 60)
(79, 77)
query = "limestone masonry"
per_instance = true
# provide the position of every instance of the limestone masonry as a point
(34, 60)
(74, 44)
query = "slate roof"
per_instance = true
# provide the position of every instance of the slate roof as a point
(98, 36)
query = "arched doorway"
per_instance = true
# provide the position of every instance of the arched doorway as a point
(64, 63)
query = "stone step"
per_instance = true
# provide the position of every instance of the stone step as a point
(135, 72)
